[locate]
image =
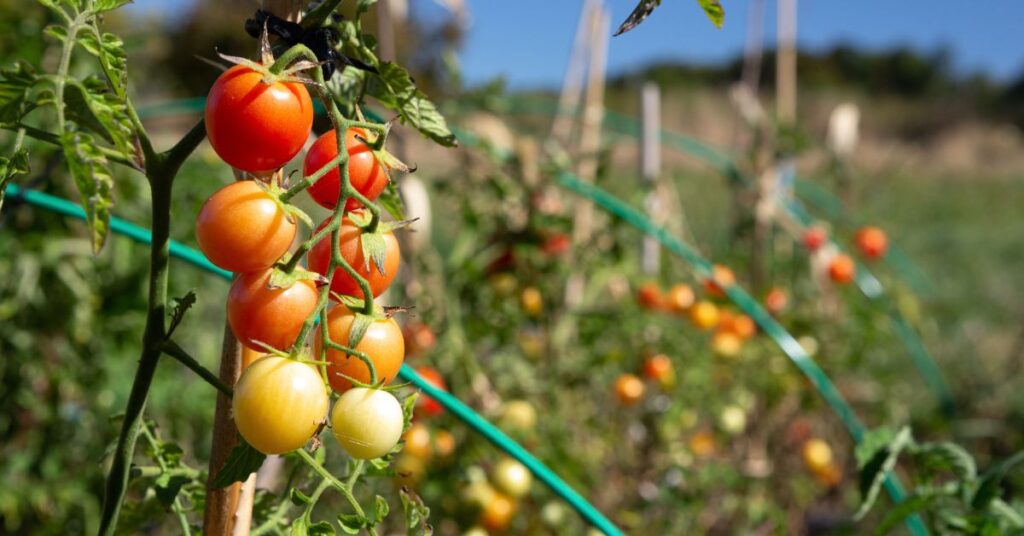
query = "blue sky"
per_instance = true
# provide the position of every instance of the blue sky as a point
(528, 41)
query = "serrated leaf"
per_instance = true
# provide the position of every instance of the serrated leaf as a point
(713, 9)
(87, 106)
(375, 249)
(416, 513)
(360, 326)
(409, 408)
(94, 180)
(380, 509)
(875, 471)
(16, 85)
(395, 89)
(351, 523)
(109, 50)
(990, 487)
(320, 528)
(11, 167)
(298, 498)
(947, 456)
(243, 460)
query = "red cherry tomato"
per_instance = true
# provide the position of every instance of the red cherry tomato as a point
(352, 251)
(842, 269)
(815, 237)
(255, 126)
(365, 173)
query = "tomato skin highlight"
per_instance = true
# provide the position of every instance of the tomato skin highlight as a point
(367, 422)
(254, 126)
(349, 234)
(365, 173)
(278, 404)
(240, 228)
(271, 316)
(383, 344)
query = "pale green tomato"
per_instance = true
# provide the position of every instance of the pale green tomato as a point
(279, 404)
(367, 422)
(512, 477)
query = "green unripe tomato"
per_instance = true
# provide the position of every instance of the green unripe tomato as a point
(367, 422)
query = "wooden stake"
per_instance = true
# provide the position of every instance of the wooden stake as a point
(572, 85)
(785, 74)
(650, 168)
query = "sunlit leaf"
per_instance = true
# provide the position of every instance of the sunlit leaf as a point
(395, 89)
(92, 176)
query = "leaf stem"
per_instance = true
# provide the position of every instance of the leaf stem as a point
(172, 349)
(337, 484)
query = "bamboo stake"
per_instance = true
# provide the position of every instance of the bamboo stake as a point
(785, 74)
(650, 168)
(572, 85)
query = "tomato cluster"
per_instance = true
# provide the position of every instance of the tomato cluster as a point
(257, 122)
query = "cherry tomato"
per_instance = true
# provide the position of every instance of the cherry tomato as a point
(721, 278)
(556, 244)
(629, 389)
(279, 404)
(872, 242)
(817, 454)
(532, 301)
(726, 344)
(382, 343)
(702, 444)
(740, 324)
(842, 270)
(417, 441)
(659, 368)
(679, 298)
(444, 443)
(518, 415)
(349, 236)
(419, 337)
(512, 478)
(733, 420)
(426, 406)
(498, 512)
(242, 229)
(273, 316)
(649, 296)
(776, 300)
(255, 126)
(367, 422)
(704, 315)
(815, 237)
(365, 173)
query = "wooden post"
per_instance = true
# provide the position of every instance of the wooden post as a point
(590, 141)
(753, 49)
(228, 511)
(650, 168)
(572, 85)
(785, 73)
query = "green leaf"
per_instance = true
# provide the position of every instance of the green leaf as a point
(364, 5)
(375, 248)
(416, 513)
(16, 85)
(101, 6)
(109, 49)
(991, 481)
(299, 527)
(409, 408)
(351, 523)
(713, 9)
(168, 486)
(87, 106)
(947, 456)
(903, 510)
(243, 460)
(875, 471)
(298, 498)
(320, 528)
(391, 201)
(360, 326)
(11, 167)
(94, 180)
(380, 509)
(395, 89)
(873, 441)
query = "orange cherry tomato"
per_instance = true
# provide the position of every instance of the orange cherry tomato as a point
(426, 406)
(273, 316)
(658, 368)
(872, 242)
(776, 300)
(382, 343)
(721, 278)
(649, 296)
(842, 270)
(242, 229)
(679, 298)
(629, 389)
